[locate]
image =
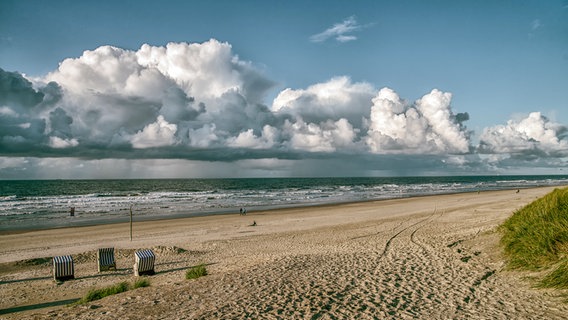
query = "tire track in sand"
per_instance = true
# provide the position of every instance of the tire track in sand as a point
(390, 240)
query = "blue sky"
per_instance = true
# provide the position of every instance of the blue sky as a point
(501, 61)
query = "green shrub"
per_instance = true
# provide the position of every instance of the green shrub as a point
(196, 272)
(536, 237)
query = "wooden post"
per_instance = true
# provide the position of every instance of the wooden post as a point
(130, 222)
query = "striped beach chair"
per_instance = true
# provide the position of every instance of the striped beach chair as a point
(63, 268)
(105, 259)
(144, 262)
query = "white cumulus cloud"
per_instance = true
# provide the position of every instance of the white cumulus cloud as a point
(332, 100)
(534, 134)
(112, 96)
(59, 143)
(328, 136)
(205, 70)
(426, 127)
(247, 139)
(157, 134)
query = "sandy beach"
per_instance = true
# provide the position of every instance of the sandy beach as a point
(434, 257)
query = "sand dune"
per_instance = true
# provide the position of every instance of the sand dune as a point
(429, 258)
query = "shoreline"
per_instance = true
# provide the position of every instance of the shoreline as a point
(421, 257)
(233, 219)
(226, 212)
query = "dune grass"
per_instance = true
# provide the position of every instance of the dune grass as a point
(535, 238)
(558, 277)
(141, 283)
(97, 294)
(196, 272)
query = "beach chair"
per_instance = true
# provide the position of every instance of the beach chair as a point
(63, 268)
(144, 262)
(105, 259)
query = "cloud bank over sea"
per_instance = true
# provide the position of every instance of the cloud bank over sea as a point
(201, 102)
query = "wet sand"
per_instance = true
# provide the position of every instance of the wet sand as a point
(434, 257)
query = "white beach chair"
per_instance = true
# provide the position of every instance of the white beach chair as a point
(63, 268)
(144, 262)
(105, 259)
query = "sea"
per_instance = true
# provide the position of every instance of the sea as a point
(42, 204)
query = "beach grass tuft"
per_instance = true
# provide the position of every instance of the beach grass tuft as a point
(535, 238)
(97, 294)
(141, 283)
(196, 272)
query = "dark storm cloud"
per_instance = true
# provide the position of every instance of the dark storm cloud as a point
(17, 91)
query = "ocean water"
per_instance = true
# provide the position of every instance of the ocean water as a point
(46, 203)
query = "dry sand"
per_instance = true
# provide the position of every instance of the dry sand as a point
(433, 257)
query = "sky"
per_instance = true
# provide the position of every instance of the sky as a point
(181, 89)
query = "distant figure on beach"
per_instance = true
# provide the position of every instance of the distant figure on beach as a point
(244, 212)
(518, 191)
(72, 212)
(241, 211)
